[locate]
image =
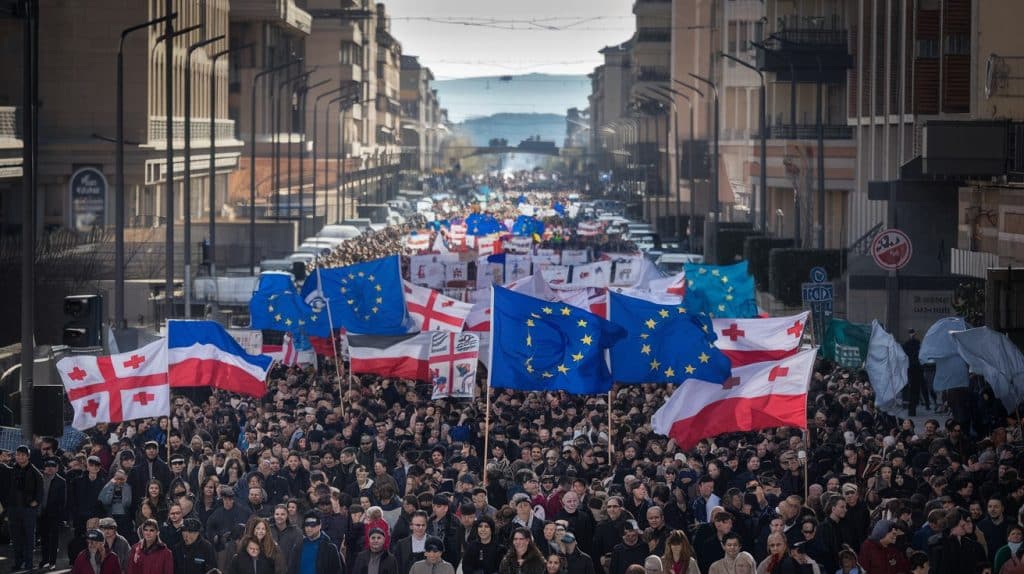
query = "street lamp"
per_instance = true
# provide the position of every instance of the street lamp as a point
(339, 184)
(667, 92)
(213, 153)
(168, 39)
(763, 215)
(252, 161)
(277, 149)
(302, 157)
(187, 199)
(316, 145)
(119, 319)
(711, 235)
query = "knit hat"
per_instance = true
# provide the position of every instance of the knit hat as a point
(882, 527)
(653, 564)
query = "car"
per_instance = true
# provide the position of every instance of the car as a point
(316, 250)
(325, 241)
(301, 256)
(344, 232)
(673, 263)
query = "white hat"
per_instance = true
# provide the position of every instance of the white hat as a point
(680, 457)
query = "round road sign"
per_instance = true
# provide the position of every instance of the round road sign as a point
(891, 249)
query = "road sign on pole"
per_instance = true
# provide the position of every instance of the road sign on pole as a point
(891, 249)
(818, 295)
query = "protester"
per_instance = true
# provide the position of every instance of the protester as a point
(96, 559)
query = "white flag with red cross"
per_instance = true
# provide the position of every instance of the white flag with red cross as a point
(117, 388)
(432, 311)
(748, 341)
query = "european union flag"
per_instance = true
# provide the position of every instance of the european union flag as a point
(364, 298)
(720, 290)
(276, 305)
(665, 344)
(544, 346)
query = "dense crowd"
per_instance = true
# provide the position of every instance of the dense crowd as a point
(367, 475)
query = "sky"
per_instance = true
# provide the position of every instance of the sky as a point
(470, 38)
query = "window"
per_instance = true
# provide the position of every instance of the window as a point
(350, 54)
(958, 45)
(927, 48)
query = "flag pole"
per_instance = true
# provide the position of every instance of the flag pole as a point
(487, 414)
(611, 435)
(334, 343)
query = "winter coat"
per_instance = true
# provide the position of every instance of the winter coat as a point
(196, 558)
(388, 563)
(156, 559)
(84, 566)
(328, 561)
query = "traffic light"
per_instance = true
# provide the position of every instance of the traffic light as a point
(83, 321)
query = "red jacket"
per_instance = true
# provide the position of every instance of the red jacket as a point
(157, 559)
(110, 564)
(878, 560)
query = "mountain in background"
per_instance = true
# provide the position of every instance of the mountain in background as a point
(514, 128)
(526, 94)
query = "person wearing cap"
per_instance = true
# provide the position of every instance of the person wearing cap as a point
(880, 555)
(84, 495)
(433, 561)
(524, 517)
(116, 544)
(150, 467)
(150, 555)
(96, 558)
(576, 561)
(52, 510)
(446, 527)
(523, 556)
(631, 550)
(26, 492)
(376, 558)
(194, 554)
(857, 523)
(221, 526)
(316, 554)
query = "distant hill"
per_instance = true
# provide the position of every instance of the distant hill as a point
(527, 94)
(514, 128)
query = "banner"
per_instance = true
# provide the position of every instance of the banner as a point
(250, 339)
(427, 271)
(574, 257)
(516, 267)
(453, 359)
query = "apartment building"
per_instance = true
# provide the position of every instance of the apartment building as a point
(421, 127)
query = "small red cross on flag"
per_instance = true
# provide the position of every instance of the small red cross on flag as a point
(117, 388)
(751, 341)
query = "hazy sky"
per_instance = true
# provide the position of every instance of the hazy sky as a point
(499, 37)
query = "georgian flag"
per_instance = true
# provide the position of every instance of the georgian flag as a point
(418, 241)
(117, 388)
(432, 311)
(747, 341)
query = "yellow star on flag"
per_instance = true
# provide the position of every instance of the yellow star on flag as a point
(530, 323)
(681, 310)
(371, 278)
(277, 317)
(314, 317)
(563, 369)
(650, 323)
(646, 349)
(644, 335)
(529, 341)
(577, 357)
(288, 322)
(655, 364)
(378, 288)
(547, 310)
(581, 323)
(361, 274)
(690, 369)
(380, 300)
(270, 308)
(586, 340)
(566, 311)
(351, 276)
(663, 313)
(703, 357)
(703, 271)
(721, 308)
(374, 309)
(725, 278)
(714, 272)
(728, 297)
(546, 375)
(670, 372)
(343, 290)
(529, 368)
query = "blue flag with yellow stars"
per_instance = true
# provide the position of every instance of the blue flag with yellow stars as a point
(545, 346)
(364, 298)
(276, 305)
(721, 291)
(665, 344)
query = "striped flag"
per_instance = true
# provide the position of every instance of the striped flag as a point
(401, 356)
(747, 341)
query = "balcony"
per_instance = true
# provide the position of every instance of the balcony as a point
(807, 132)
(654, 35)
(806, 47)
(224, 130)
(649, 74)
(10, 124)
(281, 12)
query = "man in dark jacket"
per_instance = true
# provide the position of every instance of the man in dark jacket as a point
(52, 510)
(631, 551)
(148, 468)
(443, 525)
(221, 527)
(315, 553)
(194, 555)
(576, 561)
(409, 550)
(23, 513)
(286, 535)
(376, 555)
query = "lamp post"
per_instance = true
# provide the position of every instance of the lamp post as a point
(667, 92)
(168, 39)
(316, 144)
(302, 157)
(119, 320)
(693, 190)
(711, 235)
(339, 197)
(277, 148)
(763, 214)
(187, 196)
(252, 161)
(213, 152)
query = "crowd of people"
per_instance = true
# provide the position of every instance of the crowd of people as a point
(367, 475)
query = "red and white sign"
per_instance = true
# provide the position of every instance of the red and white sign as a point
(453, 358)
(433, 311)
(117, 388)
(891, 249)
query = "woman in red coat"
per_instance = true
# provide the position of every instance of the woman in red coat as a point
(95, 559)
(150, 555)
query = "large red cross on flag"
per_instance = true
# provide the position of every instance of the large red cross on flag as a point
(433, 311)
(453, 358)
(117, 388)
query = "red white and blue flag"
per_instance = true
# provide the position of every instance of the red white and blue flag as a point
(117, 388)
(203, 354)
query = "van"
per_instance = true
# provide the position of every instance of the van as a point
(344, 232)
(360, 223)
(673, 263)
(282, 265)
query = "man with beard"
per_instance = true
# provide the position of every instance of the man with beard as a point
(286, 535)
(375, 558)
(631, 551)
